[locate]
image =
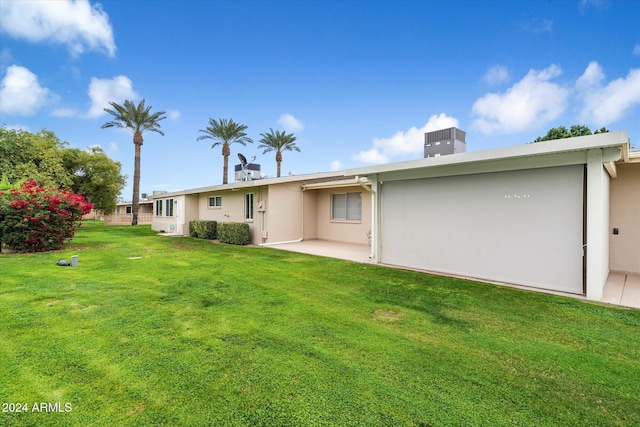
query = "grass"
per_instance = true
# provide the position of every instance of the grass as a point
(152, 330)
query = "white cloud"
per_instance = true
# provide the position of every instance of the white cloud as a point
(597, 4)
(371, 156)
(636, 49)
(404, 143)
(64, 112)
(290, 124)
(173, 114)
(21, 93)
(538, 26)
(496, 75)
(532, 102)
(603, 105)
(336, 165)
(103, 91)
(113, 147)
(76, 24)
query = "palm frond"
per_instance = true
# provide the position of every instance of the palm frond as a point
(277, 141)
(225, 132)
(136, 118)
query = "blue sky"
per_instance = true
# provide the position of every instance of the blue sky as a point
(357, 82)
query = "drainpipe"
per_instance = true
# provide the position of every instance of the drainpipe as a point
(374, 218)
(281, 243)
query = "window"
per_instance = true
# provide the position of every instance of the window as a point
(158, 207)
(128, 210)
(169, 207)
(346, 207)
(248, 206)
(215, 201)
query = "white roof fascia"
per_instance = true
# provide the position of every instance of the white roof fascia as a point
(353, 182)
(581, 143)
(252, 184)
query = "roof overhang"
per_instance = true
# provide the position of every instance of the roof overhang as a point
(352, 182)
(243, 185)
(555, 152)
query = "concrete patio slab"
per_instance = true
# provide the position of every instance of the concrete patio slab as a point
(622, 289)
(331, 249)
(631, 291)
(612, 292)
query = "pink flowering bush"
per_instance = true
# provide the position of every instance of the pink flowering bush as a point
(37, 219)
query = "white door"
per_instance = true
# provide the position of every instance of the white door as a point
(521, 227)
(179, 213)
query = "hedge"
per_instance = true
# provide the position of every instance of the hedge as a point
(234, 233)
(203, 229)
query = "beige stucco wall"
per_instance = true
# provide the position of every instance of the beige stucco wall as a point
(624, 248)
(310, 215)
(342, 231)
(232, 209)
(284, 213)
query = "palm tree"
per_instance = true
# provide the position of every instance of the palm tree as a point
(278, 141)
(137, 119)
(225, 132)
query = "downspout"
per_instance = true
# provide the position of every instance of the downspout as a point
(281, 243)
(374, 220)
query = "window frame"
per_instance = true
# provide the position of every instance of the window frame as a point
(217, 202)
(348, 209)
(158, 209)
(169, 203)
(248, 207)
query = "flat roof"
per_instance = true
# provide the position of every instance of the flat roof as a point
(252, 184)
(581, 143)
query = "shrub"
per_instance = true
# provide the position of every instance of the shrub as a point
(203, 229)
(37, 219)
(235, 233)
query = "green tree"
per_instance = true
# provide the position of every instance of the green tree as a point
(33, 156)
(225, 132)
(561, 132)
(95, 176)
(278, 141)
(137, 119)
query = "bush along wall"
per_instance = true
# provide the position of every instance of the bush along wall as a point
(203, 229)
(234, 233)
(37, 219)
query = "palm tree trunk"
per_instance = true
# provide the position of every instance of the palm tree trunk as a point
(225, 169)
(135, 199)
(278, 161)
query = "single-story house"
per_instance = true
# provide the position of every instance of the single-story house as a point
(556, 215)
(123, 212)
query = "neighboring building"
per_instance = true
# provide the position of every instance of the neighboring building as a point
(556, 215)
(444, 142)
(123, 212)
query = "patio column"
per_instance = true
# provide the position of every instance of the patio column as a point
(597, 251)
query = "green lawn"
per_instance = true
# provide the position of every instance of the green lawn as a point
(153, 330)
